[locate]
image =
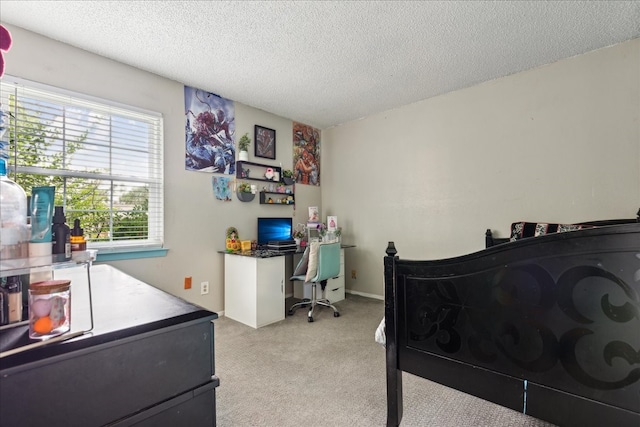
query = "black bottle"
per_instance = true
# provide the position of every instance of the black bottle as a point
(60, 236)
(4, 302)
(14, 299)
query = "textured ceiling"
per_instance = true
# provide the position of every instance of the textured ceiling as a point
(324, 63)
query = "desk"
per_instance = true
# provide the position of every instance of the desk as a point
(254, 289)
(254, 286)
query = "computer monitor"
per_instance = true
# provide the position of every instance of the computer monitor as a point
(272, 229)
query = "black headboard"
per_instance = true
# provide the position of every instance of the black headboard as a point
(492, 241)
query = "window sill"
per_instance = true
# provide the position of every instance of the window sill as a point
(105, 255)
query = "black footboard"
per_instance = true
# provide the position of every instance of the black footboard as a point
(547, 326)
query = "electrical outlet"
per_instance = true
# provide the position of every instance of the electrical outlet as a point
(353, 274)
(204, 288)
(187, 282)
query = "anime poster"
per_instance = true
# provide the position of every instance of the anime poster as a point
(306, 154)
(222, 188)
(209, 132)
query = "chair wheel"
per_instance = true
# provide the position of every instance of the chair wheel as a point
(336, 314)
(290, 312)
(310, 319)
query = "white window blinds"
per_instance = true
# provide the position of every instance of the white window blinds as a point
(104, 159)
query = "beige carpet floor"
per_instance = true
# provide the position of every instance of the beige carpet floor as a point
(331, 373)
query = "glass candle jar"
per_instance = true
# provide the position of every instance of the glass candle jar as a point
(49, 308)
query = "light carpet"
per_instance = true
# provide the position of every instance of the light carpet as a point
(331, 372)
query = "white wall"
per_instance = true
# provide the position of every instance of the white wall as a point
(195, 222)
(560, 143)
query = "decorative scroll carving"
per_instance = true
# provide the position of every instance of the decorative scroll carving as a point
(517, 317)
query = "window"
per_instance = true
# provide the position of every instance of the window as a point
(104, 159)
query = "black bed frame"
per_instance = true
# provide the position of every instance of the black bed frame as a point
(548, 326)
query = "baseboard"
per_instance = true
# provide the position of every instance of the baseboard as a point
(364, 294)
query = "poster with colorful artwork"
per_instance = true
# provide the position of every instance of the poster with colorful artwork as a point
(222, 188)
(306, 154)
(209, 132)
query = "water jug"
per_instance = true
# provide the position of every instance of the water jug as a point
(14, 235)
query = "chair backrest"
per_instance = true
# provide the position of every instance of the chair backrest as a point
(328, 261)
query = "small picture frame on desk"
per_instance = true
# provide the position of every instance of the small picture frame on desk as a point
(265, 145)
(332, 223)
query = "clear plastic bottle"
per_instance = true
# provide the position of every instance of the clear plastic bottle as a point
(14, 235)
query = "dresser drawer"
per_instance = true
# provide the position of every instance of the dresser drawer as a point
(196, 408)
(104, 383)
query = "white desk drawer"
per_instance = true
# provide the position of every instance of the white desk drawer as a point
(334, 291)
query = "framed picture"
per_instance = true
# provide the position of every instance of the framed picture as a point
(265, 139)
(314, 214)
(332, 223)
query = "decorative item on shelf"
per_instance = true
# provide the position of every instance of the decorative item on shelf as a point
(299, 233)
(269, 174)
(322, 231)
(232, 241)
(244, 192)
(287, 177)
(244, 187)
(276, 198)
(245, 245)
(243, 148)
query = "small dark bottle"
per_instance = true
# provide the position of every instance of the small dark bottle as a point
(4, 303)
(77, 237)
(60, 236)
(14, 299)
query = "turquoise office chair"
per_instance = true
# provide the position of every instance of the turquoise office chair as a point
(328, 268)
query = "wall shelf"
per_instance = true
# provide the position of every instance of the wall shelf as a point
(256, 171)
(275, 198)
(245, 197)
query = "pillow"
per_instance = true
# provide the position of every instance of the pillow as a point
(570, 227)
(541, 229)
(520, 230)
(303, 264)
(312, 269)
(517, 231)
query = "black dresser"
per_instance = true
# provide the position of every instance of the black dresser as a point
(149, 360)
